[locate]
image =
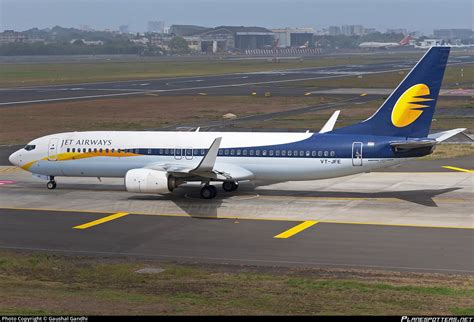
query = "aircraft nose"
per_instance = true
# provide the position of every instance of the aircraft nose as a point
(13, 158)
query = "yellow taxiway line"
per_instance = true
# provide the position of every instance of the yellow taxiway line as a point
(457, 169)
(101, 220)
(297, 229)
(184, 215)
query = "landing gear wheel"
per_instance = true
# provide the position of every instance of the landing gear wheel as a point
(208, 192)
(230, 186)
(51, 185)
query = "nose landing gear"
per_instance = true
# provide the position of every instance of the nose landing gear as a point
(51, 183)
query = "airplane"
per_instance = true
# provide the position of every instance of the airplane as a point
(157, 162)
(305, 45)
(385, 45)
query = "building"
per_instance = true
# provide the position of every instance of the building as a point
(10, 36)
(293, 37)
(334, 30)
(449, 34)
(186, 30)
(352, 30)
(156, 26)
(88, 42)
(160, 41)
(124, 29)
(368, 31)
(402, 31)
(140, 41)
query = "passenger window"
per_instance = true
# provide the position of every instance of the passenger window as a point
(221, 152)
(244, 152)
(295, 153)
(257, 152)
(283, 153)
(203, 151)
(320, 153)
(313, 153)
(90, 150)
(95, 149)
(301, 153)
(326, 153)
(238, 152)
(73, 149)
(270, 153)
(277, 153)
(67, 150)
(333, 153)
(308, 153)
(264, 152)
(232, 152)
(100, 150)
(251, 152)
(226, 152)
(289, 153)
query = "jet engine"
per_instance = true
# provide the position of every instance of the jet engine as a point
(147, 181)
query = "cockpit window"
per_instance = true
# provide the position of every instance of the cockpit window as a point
(30, 147)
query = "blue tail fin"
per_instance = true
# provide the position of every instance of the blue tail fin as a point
(409, 109)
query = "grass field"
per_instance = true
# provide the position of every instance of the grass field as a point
(453, 113)
(47, 284)
(134, 113)
(78, 72)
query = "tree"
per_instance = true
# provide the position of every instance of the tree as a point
(179, 45)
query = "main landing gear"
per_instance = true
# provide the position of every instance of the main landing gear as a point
(51, 183)
(230, 186)
(210, 191)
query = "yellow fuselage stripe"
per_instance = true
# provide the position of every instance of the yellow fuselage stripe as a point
(457, 169)
(101, 220)
(299, 228)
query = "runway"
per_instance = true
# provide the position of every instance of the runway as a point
(229, 84)
(395, 221)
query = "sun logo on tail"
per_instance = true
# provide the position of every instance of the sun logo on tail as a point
(409, 106)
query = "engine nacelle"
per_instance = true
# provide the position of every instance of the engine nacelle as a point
(146, 181)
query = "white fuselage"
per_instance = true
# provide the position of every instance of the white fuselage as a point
(112, 154)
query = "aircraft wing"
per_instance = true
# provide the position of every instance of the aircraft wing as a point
(207, 168)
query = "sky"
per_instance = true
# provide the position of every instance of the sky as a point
(421, 15)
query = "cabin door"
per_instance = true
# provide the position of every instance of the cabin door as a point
(53, 150)
(357, 154)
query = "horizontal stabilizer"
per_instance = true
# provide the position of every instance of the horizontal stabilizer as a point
(329, 126)
(442, 136)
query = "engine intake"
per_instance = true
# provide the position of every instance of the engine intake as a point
(147, 181)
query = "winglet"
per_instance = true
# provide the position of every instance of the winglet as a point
(209, 159)
(330, 123)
